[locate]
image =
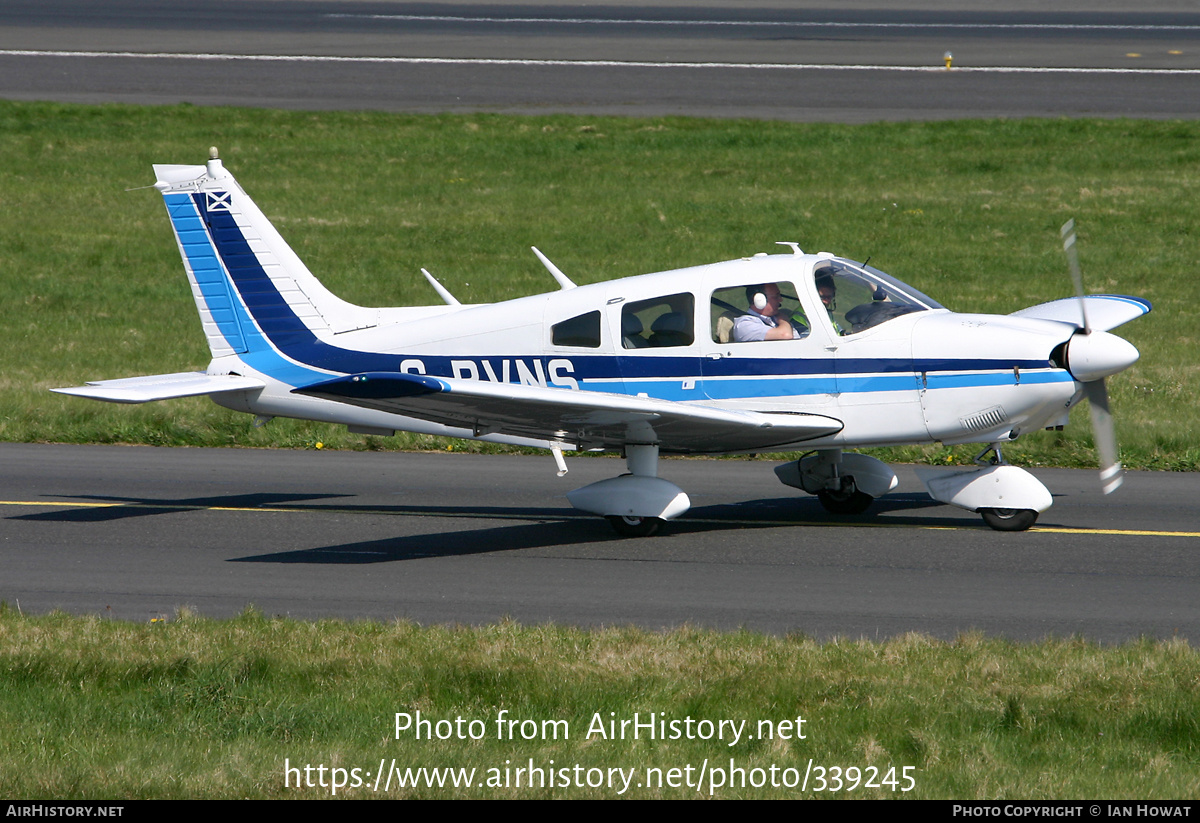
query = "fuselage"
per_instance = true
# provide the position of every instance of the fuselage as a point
(918, 373)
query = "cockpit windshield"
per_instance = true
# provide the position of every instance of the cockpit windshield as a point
(859, 297)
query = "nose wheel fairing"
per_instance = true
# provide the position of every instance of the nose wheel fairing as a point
(1009, 498)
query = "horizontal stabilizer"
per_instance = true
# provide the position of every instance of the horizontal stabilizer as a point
(1104, 311)
(590, 419)
(162, 387)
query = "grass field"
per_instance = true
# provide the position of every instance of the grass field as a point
(966, 211)
(194, 708)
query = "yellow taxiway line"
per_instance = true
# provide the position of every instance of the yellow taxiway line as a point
(493, 516)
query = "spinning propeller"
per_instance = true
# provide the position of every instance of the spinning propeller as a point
(1083, 348)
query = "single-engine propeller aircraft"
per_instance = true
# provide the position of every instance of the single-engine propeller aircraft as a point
(782, 352)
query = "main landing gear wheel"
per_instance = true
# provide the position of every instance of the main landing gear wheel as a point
(635, 526)
(842, 502)
(1009, 520)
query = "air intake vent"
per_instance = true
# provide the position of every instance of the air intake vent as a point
(986, 419)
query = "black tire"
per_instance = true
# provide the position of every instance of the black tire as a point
(1009, 520)
(854, 502)
(635, 526)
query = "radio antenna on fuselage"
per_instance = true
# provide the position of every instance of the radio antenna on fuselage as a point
(445, 294)
(563, 281)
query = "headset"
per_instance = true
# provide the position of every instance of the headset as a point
(756, 296)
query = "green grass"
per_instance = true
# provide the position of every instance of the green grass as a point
(91, 708)
(966, 211)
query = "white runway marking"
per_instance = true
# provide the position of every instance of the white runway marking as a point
(604, 21)
(318, 58)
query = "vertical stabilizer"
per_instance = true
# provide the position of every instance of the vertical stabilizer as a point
(250, 287)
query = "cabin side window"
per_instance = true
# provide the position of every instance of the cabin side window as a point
(660, 322)
(582, 331)
(757, 312)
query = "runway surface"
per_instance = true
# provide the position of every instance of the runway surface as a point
(803, 61)
(137, 532)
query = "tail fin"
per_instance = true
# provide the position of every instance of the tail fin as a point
(250, 287)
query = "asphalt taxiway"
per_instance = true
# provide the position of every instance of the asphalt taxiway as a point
(138, 532)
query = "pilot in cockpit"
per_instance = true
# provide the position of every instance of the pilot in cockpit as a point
(766, 318)
(827, 291)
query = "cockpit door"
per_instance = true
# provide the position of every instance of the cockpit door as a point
(745, 359)
(871, 349)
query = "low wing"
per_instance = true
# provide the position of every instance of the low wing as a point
(1104, 311)
(587, 419)
(161, 387)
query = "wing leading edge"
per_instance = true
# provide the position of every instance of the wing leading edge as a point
(1104, 311)
(586, 419)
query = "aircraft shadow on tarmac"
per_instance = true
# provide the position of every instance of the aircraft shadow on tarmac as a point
(126, 507)
(558, 528)
(554, 527)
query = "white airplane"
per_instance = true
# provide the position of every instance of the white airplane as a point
(667, 363)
